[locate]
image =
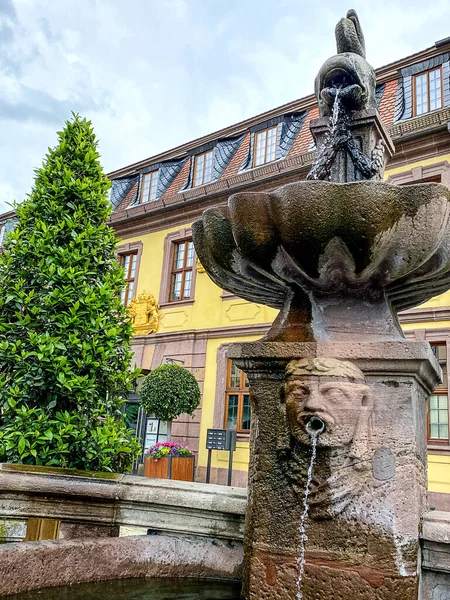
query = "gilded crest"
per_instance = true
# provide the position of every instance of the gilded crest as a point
(199, 266)
(144, 313)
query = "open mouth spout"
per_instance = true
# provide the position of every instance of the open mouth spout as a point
(350, 76)
(315, 426)
(350, 96)
(343, 83)
(339, 78)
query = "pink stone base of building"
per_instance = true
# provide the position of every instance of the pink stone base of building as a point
(367, 493)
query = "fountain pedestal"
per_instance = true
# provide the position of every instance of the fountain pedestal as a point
(368, 491)
(370, 137)
(338, 255)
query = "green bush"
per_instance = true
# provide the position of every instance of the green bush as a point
(66, 439)
(64, 333)
(169, 391)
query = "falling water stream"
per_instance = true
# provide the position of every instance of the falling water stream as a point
(302, 525)
(329, 142)
(336, 111)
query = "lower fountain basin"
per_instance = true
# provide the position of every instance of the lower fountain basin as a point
(139, 589)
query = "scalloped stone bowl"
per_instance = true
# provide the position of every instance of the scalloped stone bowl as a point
(338, 260)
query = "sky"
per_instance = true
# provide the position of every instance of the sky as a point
(153, 74)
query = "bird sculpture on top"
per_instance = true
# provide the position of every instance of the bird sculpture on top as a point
(349, 35)
(346, 83)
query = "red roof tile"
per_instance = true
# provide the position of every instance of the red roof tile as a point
(236, 162)
(387, 104)
(303, 141)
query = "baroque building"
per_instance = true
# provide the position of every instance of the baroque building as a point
(181, 316)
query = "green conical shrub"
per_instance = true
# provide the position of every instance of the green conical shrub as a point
(64, 333)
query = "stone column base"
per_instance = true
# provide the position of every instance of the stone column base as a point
(368, 489)
(275, 576)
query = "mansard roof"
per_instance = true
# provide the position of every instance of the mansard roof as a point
(233, 171)
(300, 154)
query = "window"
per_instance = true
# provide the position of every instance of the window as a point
(438, 172)
(438, 429)
(149, 185)
(436, 179)
(182, 268)
(237, 403)
(203, 165)
(179, 273)
(427, 91)
(265, 146)
(129, 263)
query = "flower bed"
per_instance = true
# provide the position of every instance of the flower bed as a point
(170, 460)
(164, 449)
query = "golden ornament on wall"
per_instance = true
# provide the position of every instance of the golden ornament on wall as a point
(144, 313)
(200, 267)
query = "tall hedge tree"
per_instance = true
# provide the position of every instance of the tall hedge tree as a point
(64, 333)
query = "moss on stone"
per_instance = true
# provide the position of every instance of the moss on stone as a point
(60, 471)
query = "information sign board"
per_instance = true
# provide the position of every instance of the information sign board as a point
(221, 439)
(216, 439)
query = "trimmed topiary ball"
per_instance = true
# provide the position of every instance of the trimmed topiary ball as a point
(169, 391)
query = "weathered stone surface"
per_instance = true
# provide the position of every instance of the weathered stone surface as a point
(373, 141)
(435, 585)
(441, 592)
(337, 259)
(436, 528)
(436, 556)
(347, 71)
(436, 545)
(369, 482)
(36, 565)
(326, 579)
(12, 530)
(414, 358)
(159, 504)
(383, 464)
(180, 506)
(351, 142)
(73, 531)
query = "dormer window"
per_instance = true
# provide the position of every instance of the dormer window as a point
(149, 186)
(427, 91)
(265, 146)
(203, 168)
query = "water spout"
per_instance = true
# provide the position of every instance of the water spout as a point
(317, 428)
(336, 110)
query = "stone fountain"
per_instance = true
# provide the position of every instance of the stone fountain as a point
(337, 477)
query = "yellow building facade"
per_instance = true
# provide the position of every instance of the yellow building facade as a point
(157, 200)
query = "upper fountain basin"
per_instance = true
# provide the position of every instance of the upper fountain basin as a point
(364, 240)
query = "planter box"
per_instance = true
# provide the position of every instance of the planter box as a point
(180, 468)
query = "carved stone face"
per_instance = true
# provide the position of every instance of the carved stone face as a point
(333, 391)
(338, 403)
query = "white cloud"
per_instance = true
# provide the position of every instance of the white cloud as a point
(152, 74)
